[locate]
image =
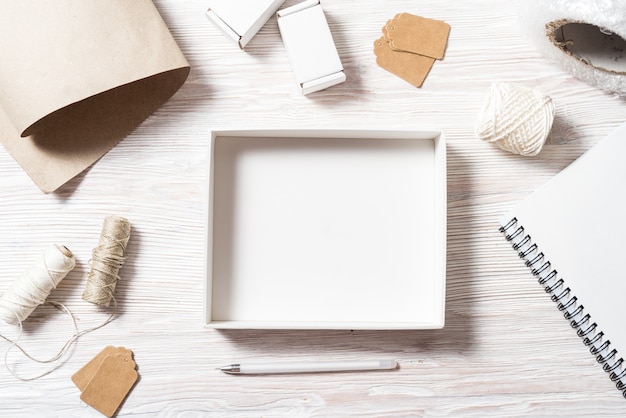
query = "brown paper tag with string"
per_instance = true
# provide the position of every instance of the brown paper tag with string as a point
(412, 68)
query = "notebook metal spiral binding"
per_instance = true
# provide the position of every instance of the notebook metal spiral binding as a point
(567, 303)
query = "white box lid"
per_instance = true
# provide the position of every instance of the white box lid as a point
(309, 43)
(242, 19)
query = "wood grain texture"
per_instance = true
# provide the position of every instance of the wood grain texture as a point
(505, 350)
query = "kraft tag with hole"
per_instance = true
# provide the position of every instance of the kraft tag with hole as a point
(410, 45)
(109, 377)
(410, 67)
(82, 377)
(419, 35)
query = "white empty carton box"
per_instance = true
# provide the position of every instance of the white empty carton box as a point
(326, 229)
(310, 46)
(242, 19)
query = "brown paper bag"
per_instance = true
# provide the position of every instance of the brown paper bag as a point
(77, 76)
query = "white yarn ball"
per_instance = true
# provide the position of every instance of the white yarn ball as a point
(516, 119)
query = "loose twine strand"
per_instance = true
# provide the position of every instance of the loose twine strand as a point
(62, 351)
(39, 280)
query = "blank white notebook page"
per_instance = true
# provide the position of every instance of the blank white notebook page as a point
(577, 221)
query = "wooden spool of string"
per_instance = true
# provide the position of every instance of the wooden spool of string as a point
(34, 286)
(107, 259)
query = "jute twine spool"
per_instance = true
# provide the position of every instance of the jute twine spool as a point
(107, 259)
(32, 290)
(516, 119)
(35, 284)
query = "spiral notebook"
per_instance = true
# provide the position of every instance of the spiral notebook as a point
(571, 233)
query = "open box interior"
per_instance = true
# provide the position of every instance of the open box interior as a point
(332, 229)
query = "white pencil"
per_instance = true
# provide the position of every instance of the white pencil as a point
(309, 367)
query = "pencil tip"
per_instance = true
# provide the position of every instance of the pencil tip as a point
(231, 369)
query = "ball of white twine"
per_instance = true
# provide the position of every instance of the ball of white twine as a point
(516, 119)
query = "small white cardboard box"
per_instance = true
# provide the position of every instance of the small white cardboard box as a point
(326, 229)
(242, 19)
(310, 46)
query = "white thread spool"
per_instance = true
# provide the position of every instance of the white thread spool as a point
(516, 119)
(35, 284)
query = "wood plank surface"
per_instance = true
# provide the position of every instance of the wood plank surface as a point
(505, 349)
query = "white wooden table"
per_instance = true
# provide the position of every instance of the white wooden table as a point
(505, 349)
